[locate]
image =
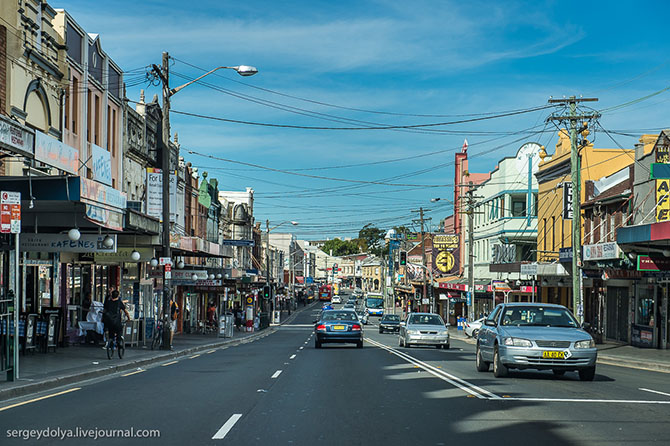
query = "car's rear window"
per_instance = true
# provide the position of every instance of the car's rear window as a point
(391, 317)
(338, 316)
(426, 319)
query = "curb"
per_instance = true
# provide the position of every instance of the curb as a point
(51, 383)
(609, 360)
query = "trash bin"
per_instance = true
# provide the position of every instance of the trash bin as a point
(276, 317)
(226, 325)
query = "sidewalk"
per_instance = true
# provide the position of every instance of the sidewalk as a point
(615, 354)
(43, 371)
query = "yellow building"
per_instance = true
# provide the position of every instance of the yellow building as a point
(555, 232)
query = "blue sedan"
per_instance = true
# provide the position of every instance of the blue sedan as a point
(341, 326)
(535, 336)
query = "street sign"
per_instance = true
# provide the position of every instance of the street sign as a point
(10, 212)
(165, 261)
(468, 298)
(250, 300)
(168, 274)
(168, 267)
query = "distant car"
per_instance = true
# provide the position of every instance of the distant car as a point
(535, 336)
(424, 329)
(348, 306)
(389, 322)
(341, 326)
(336, 299)
(472, 328)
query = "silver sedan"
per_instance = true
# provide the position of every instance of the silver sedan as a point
(424, 329)
(535, 336)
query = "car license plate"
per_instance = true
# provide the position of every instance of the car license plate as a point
(553, 355)
(339, 327)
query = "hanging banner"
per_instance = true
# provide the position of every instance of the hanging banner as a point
(54, 153)
(155, 194)
(101, 164)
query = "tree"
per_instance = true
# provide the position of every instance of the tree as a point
(372, 239)
(340, 247)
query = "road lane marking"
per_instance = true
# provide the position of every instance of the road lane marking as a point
(227, 426)
(454, 380)
(585, 400)
(133, 373)
(654, 391)
(195, 356)
(292, 356)
(168, 363)
(39, 399)
(301, 348)
(276, 374)
(210, 352)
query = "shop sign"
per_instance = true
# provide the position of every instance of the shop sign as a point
(479, 288)
(601, 251)
(238, 243)
(565, 255)
(187, 275)
(208, 282)
(123, 255)
(99, 193)
(10, 212)
(567, 201)
(504, 253)
(529, 269)
(53, 152)
(16, 138)
(88, 243)
(453, 286)
(155, 194)
(105, 217)
(445, 241)
(101, 164)
(642, 336)
(500, 285)
(528, 289)
(647, 263)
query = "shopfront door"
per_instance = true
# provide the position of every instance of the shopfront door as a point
(617, 313)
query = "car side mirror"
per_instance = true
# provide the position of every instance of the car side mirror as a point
(447, 325)
(490, 323)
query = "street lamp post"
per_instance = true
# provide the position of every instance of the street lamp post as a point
(267, 261)
(163, 74)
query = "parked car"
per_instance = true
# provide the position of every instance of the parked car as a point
(424, 329)
(535, 336)
(472, 328)
(340, 326)
(389, 322)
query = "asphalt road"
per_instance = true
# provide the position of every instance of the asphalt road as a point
(279, 389)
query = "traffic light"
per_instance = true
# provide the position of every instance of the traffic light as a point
(403, 258)
(584, 132)
(266, 292)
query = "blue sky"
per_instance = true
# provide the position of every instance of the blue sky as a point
(326, 64)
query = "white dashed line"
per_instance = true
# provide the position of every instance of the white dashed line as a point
(228, 425)
(292, 356)
(276, 374)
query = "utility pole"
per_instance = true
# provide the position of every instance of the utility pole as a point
(267, 269)
(575, 176)
(423, 254)
(471, 252)
(164, 75)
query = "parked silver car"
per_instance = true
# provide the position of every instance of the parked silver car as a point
(535, 336)
(472, 328)
(423, 329)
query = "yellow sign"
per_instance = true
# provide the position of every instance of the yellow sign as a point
(662, 200)
(250, 300)
(445, 241)
(444, 261)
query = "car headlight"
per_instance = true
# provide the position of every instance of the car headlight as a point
(413, 332)
(517, 342)
(589, 343)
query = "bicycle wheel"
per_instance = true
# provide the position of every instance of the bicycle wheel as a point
(121, 348)
(157, 340)
(110, 349)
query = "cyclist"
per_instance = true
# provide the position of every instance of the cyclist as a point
(112, 315)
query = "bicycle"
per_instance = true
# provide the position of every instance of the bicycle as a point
(157, 341)
(117, 343)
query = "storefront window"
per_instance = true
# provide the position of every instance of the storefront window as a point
(44, 286)
(644, 310)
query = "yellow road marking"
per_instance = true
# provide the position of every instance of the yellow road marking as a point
(39, 399)
(133, 373)
(210, 352)
(195, 356)
(168, 363)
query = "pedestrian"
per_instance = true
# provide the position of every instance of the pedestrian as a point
(174, 315)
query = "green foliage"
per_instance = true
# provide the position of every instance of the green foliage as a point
(372, 238)
(340, 247)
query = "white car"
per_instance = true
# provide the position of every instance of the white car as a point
(336, 300)
(472, 328)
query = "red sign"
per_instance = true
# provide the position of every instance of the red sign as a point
(646, 263)
(168, 267)
(453, 286)
(10, 212)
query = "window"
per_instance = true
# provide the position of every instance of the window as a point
(518, 207)
(89, 115)
(96, 137)
(75, 105)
